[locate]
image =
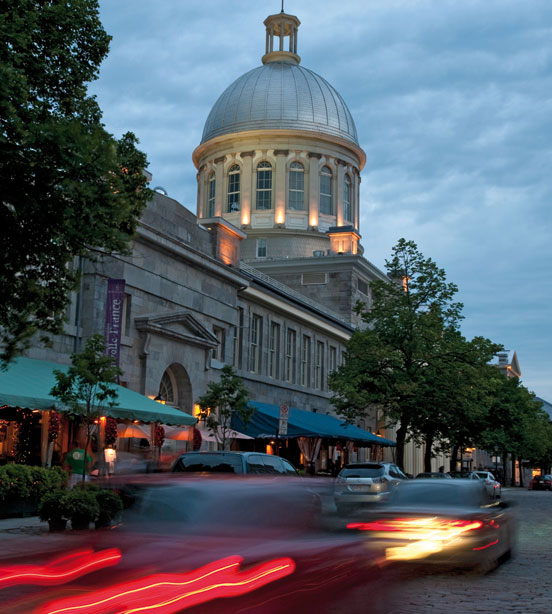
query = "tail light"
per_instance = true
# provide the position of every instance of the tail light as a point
(420, 537)
(420, 528)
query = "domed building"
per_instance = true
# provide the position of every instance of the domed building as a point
(280, 160)
(280, 157)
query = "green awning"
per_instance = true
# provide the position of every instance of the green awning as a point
(27, 384)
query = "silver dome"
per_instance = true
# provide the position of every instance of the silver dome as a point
(280, 95)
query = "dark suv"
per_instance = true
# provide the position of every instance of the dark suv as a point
(250, 463)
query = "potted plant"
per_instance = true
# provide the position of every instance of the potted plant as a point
(81, 507)
(110, 504)
(52, 509)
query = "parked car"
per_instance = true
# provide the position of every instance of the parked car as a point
(541, 482)
(493, 486)
(254, 546)
(255, 463)
(441, 522)
(359, 483)
(437, 475)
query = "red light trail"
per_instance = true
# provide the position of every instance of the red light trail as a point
(60, 570)
(169, 593)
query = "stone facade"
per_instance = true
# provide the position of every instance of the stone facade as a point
(187, 313)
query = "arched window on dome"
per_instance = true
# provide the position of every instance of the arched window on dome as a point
(296, 196)
(263, 199)
(326, 191)
(347, 209)
(211, 196)
(233, 197)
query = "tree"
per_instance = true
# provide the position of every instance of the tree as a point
(224, 399)
(454, 395)
(87, 387)
(517, 426)
(69, 188)
(404, 359)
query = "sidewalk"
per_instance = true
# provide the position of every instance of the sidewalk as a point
(16, 524)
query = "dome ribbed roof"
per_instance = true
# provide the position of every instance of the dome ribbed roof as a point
(280, 95)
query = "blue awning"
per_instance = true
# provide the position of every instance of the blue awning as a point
(264, 424)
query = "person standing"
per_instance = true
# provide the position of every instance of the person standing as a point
(76, 464)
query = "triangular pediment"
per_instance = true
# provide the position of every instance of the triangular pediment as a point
(179, 325)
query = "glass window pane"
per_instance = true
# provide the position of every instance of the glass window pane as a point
(326, 191)
(233, 198)
(296, 195)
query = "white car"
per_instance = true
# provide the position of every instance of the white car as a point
(493, 486)
(369, 482)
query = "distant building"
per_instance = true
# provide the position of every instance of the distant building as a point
(507, 363)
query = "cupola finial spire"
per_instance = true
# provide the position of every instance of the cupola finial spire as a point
(280, 27)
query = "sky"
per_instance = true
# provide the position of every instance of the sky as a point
(452, 101)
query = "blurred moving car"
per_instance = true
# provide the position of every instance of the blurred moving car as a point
(463, 475)
(255, 463)
(493, 486)
(370, 482)
(436, 475)
(203, 546)
(541, 482)
(441, 521)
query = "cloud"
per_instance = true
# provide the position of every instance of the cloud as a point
(452, 106)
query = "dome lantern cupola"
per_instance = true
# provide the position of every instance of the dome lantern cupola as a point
(278, 28)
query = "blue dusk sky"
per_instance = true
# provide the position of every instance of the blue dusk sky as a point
(452, 101)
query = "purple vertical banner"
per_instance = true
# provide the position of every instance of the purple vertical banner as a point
(114, 318)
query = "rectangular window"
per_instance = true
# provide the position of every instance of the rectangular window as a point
(347, 215)
(362, 286)
(310, 279)
(264, 187)
(326, 191)
(126, 319)
(261, 248)
(233, 197)
(291, 356)
(305, 361)
(211, 202)
(333, 359)
(238, 340)
(319, 366)
(274, 351)
(255, 343)
(218, 352)
(296, 187)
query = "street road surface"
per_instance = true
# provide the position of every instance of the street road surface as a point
(522, 585)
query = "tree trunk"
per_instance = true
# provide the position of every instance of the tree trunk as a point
(401, 436)
(88, 435)
(504, 457)
(454, 458)
(520, 473)
(427, 451)
(513, 470)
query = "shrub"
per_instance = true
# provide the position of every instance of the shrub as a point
(15, 482)
(58, 478)
(32, 483)
(52, 506)
(81, 506)
(110, 504)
